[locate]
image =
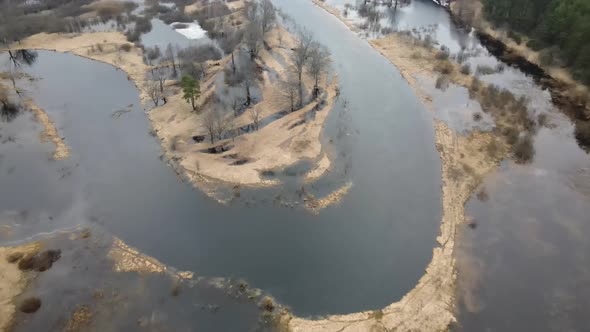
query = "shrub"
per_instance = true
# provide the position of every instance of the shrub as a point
(546, 57)
(126, 47)
(582, 133)
(482, 195)
(443, 54)
(484, 70)
(466, 69)
(511, 135)
(444, 67)
(461, 57)
(534, 44)
(523, 150)
(477, 117)
(542, 119)
(515, 36)
(108, 9)
(442, 82)
(475, 85)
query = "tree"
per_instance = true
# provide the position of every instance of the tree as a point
(191, 90)
(289, 89)
(255, 116)
(210, 123)
(153, 90)
(319, 60)
(299, 58)
(267, 16)
(253, 38)
(247, 75)
(160, 74)
(172, 59)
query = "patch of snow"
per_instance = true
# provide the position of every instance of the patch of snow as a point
(192, 31)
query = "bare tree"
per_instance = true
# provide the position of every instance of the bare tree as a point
(210, 123)
(152, 88)
(170, 57)
(255, 116)
(289, 90)
(319, 60)
(253, 38)
(160, 74)
(300, 56)
(222, 123)
(267, 15)
(247, 75)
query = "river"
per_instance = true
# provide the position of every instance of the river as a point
(523, 267)
(361, 254)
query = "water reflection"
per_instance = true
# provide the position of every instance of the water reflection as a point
(525, 266)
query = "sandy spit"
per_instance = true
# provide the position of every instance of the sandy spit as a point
(50, 132)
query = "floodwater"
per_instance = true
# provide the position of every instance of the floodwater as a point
(363, 253)
(163, 34)
(523, 265)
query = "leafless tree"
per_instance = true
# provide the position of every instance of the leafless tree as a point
(300, 56)
(152, 88)
(222, 123)
(319, 60)
(210, 123)
(170, 57)
(289, 90)
(160, 74)
(267, 15)
(253, 38)
(247, 75)
(255, 116)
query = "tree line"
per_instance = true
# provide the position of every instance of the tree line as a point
(560, 29)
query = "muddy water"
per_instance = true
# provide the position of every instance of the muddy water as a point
(363, 253)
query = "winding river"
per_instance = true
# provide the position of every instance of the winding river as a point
(361, 254)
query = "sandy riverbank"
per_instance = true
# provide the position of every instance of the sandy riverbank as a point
(50, 132)
(13, 281)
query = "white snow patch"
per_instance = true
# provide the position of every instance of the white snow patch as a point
(192, 31)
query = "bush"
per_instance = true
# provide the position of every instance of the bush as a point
(475, 85)
(523, 150)
(534, 44)
(461, 57)
(108, 9)
(443, 54)
(582, 133)
(442, 82)
(126, 47)
(546, 57)
(484, 70)
(477, 117)
(542, 119)
(444, 67)
(511, 135)
(466, 69)
(515, 36)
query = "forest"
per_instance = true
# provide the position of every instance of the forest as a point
(559, 29)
